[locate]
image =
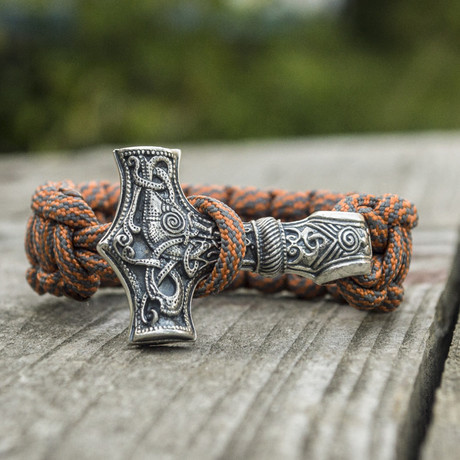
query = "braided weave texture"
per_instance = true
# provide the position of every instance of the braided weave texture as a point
(232, 247)
(69, 220)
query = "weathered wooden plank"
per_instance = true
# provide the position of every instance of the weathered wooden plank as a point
(444, 432)
(270, 376)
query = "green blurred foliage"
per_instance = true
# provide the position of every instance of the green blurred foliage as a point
(81, 72)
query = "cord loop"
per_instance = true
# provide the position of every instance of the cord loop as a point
(390, 220)
(61, 242)
(232, 245)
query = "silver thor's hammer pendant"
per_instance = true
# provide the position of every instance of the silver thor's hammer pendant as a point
(160, 246)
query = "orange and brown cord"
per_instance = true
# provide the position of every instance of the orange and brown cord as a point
(69, 220)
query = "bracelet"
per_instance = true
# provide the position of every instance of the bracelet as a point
(165, 248)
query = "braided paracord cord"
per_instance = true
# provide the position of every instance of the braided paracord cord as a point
(69, 220)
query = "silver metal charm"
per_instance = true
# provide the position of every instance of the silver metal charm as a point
(161, 247)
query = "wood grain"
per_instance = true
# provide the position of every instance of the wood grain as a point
(444, 431)
(270, 376)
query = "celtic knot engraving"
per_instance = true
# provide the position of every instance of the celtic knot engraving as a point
(324, 244)
(160, 244)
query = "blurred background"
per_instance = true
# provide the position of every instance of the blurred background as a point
(75, 73)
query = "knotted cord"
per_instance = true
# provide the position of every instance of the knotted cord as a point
(69, 220)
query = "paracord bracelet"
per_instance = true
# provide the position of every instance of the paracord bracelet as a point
(162, 248)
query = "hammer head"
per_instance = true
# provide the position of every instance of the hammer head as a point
(159, 246)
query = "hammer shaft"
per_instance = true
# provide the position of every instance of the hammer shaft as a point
(325, 246)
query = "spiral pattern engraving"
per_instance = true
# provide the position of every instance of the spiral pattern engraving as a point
(349, 240)
(173, 223)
